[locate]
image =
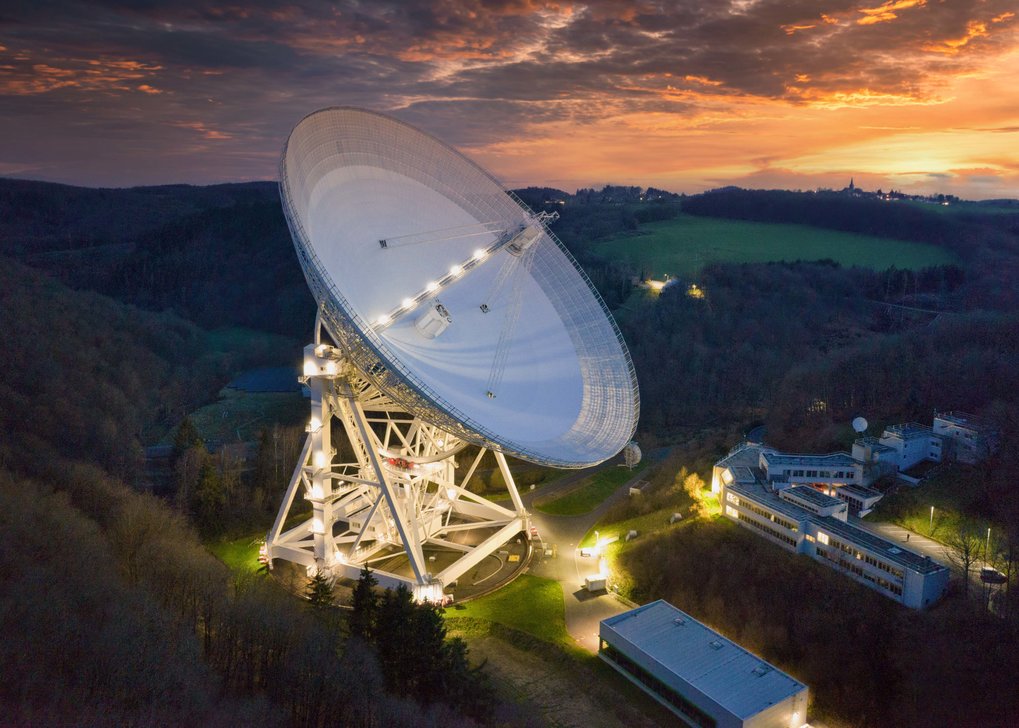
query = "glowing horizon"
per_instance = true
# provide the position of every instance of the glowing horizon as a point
(905, 94)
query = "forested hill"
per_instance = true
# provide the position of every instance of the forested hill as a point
(38, 217)
(218, 256)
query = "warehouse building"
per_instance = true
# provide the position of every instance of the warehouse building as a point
(704, 678)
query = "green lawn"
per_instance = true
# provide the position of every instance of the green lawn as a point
(591, 491)
(682, 246)
(528, 603)
(954, 493)
(644, 525)
(240, 554)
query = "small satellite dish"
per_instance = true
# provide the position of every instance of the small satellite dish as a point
(860, 424)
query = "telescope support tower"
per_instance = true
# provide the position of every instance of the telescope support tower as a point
(397, 506)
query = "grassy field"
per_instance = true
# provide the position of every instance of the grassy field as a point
(955, 497)
(529, 604)
(240, 554)
(591, 491)
(682, 246)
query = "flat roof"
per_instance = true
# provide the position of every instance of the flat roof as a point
(862, 491)
(810, 495)
(962, 419)
(873, 442)
(882, 547)
(745, 455)
(770, 500)
(693, 653)
(909, 430)
(828, 460)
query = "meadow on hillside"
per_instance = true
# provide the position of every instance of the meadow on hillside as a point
(681, 247)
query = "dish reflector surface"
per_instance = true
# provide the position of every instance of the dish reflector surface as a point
(388, 221)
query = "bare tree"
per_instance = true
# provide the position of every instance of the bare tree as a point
(962, 548)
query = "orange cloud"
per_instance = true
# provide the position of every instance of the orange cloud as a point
(951, 46)
(146, 89)
(102, 75)
(201, 128)
(884, 13)
(793, 28)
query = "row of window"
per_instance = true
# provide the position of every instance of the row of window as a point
(843, 474)
(851, 567)
(770, 531)
(764, 513)
(859, 555)
(689, 711)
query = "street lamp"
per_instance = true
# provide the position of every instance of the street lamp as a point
(987, 548)
(930, 529)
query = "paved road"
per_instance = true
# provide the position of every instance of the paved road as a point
(584, 611)
(919, 543)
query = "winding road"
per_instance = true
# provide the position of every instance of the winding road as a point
(584, 610)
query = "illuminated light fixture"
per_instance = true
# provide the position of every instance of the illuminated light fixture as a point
(432, 286)
(331, 367)
(320, 459)
(317, 527)
(440, 442)
(456, 270)
(310, 369)
(316, 491)
(408, 303)
(479, 254)
(315, 424)
(383, 320)
(451, 493)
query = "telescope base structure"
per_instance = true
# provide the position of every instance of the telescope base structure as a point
(397, 506)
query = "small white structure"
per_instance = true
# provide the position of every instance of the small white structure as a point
(704, 678)
(595, 583)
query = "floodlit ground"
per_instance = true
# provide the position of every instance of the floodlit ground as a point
(240, 554)
(682, 246)
(588, 493)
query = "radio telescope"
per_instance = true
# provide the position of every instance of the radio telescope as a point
(448, 316)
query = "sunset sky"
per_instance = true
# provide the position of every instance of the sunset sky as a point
(916, 95)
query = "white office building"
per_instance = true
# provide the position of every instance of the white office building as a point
(704, 678)
(804, 520)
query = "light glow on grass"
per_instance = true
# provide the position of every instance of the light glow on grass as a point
(529, 603)
(591, 492)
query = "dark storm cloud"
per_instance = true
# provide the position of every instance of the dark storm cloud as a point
(226, 81)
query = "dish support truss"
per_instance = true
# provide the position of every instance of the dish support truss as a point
(400, 491)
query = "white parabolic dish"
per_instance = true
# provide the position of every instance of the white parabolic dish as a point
(567, 394)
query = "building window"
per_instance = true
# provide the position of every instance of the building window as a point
(731, 512)
(687, 709)
(822, 538)
(732, 498)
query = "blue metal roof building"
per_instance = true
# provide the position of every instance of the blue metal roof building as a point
(706, 679)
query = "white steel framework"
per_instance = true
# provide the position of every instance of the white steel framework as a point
(399, 494)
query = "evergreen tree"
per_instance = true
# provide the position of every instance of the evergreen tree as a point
(186, 438)
(320, 591)
(365, 603)
(395, 640)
